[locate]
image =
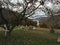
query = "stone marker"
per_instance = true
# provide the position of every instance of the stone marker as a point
(34, 28)
(58, 40)
(6, 30)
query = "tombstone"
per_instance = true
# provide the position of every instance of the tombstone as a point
(30, 27)
(27, 27)
(6, 30)
(37, 23)
(58, 38)
(34, 28)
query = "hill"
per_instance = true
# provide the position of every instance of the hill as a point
(42, 19)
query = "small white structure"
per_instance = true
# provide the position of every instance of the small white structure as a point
(58, 37)
(6, 30)
(34, 28)
(37, 23)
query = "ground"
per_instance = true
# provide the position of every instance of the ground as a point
(39, 36)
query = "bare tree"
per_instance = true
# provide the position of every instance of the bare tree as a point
(52, 9)
(11, 18)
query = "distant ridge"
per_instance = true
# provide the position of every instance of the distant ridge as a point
(42, 19)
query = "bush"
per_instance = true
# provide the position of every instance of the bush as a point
(43, 25)
(57, 27)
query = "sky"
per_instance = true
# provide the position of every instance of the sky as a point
(38, 12)
(15, 1)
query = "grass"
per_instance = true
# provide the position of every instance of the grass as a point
(39, 36)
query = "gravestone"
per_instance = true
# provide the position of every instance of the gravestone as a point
(58, 38)
(6, 30)
(34, 28)
(30, 27)
(37, 23)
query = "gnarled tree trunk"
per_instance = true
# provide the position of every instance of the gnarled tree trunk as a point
(52, 29)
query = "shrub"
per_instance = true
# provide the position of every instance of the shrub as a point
(43, 25)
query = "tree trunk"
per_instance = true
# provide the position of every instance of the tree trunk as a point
(52, 29)
(9, 32)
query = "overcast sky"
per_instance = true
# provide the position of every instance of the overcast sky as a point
(38, 13)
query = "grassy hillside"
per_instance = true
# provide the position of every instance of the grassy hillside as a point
(29, 37)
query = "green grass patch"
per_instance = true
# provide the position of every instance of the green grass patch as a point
(29, 37)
